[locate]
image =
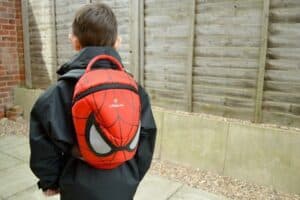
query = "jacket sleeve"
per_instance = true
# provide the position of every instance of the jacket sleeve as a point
(147, 138)
(48, 142)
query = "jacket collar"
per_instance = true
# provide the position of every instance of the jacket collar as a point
(81, 60)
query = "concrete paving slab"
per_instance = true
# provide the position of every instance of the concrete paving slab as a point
(18, 183)
(12, 141)
(158, 116)
(7, 161)
(189, 193)
(20, 151)
(155, 187)
(32, 194)
(16, 179)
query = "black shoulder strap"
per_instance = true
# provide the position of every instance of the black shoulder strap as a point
(72, 74)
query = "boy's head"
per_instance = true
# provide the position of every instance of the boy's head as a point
(94, 25)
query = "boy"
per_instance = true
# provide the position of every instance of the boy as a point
(52, 136)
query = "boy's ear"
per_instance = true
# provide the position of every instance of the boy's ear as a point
(118, 43)
(75, 42)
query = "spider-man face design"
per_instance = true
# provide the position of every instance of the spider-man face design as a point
(99, 142)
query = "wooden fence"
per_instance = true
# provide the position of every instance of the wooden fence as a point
(233, 58)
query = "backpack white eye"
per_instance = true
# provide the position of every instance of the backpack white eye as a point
(135, 140)
(97, 143)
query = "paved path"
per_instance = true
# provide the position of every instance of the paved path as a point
(18, 183)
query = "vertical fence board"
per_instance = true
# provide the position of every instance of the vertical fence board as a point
(134, 37)
(53, 41)
(41, 42)
(190, 63)
(142, 42)
(262, 61)
(26, 37)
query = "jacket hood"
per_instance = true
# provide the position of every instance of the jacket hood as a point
(82, 59)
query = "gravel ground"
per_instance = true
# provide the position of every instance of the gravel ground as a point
(214, 183)
(18, 127)
(205, 180)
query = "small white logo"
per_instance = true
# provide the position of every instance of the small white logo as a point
(116, 104)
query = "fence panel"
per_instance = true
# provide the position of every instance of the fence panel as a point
(217, 42)
(166, 50)
(281, 103)
(227, 46)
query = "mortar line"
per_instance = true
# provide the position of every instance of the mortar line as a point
(175, 192)
(226, 149)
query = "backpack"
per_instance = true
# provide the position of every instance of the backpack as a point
(106, 113)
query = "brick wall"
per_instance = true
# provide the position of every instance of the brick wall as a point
(12, 72)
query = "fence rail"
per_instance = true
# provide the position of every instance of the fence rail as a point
(234, 58)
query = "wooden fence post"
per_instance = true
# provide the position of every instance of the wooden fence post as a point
(190, 59)
(53, 41)
(262, 62)
(27, 61)
(142, 42)
(134, 37)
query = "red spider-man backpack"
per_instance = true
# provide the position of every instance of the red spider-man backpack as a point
(106, 115)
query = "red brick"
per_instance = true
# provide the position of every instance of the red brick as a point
(4, 21)
(2, 72)
(7, 15)
(4, 95)
(4, 89)
(3, 9)
(8, 4)
(2, 83)
(9, 38)
(12, 44)
(18, 5)
(12, 21)
(19, 22)
(11, 10)
(13, 33)
(8, 100)
(4, 32)
(2, 114)
(13, 71)
(7, 78)
(9, 27)
(14, 82)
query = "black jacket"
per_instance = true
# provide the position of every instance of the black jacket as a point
(52, 138)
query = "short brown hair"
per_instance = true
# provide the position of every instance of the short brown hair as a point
(95, 25)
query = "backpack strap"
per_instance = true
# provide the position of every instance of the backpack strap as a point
(74, 74)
